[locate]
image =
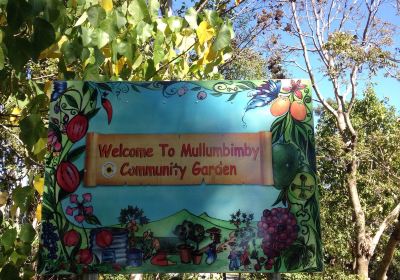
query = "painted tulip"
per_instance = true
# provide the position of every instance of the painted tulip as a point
(104, 238)
(71, 238)
(84, 256)
(298, 110)
(76, 128)
(280, 106)
(67, 176)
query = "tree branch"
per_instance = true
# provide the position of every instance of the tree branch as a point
(308, 64)
(382, 227)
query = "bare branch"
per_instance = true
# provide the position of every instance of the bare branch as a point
(308, 64)
(382, 227)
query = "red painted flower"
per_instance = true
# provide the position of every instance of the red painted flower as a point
(71, 238)
(104, 238)
(295, 87)
(84, 256)
(67, 176)
(76, 128)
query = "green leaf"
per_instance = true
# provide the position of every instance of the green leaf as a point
(76, 153)
(43, 35)
(175, 23)
(110, 27)
(158, 52)
(138, 10)
(71, 101)
(224, 37)
(92, 219)
(144, 31)
(150, 70)
(8, 238)
(19, 51)
(17, 12)
(119, 19)
(96, 15)
(1, 59)
(71, 51)
(191, 18)
(22, 195)
(27, 233)
(32, 128)
(9, 271)
(154, 6)
(213, 18)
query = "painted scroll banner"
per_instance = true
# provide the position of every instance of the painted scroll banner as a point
(178, 159)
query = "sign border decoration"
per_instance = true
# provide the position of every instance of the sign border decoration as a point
(283, 238)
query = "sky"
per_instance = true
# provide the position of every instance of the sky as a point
(384, 86)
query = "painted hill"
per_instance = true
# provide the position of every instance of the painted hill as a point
(165, 227)
(215, 221)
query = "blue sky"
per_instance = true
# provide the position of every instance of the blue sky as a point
(384, 86)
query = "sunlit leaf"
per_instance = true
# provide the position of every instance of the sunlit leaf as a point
(205, 32)
(107, 5)
(38, 184)
(38, 212)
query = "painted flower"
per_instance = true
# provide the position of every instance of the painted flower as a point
(182, 91)
(59, 88)
(84, 256)
(80, 210)
(53, 142)
(87, 197)
(71, 238)
(201, 95)
(295, 88)
(73, 198)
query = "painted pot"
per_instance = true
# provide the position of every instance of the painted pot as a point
(185, 252)
(135, 257)
(196, 257)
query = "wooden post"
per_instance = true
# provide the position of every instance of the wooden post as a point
(276, 276)
(90, 276)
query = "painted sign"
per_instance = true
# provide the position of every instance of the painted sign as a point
(210, 176)
(178, 159)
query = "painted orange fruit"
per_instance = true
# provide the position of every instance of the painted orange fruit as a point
(280, 106)
(298, 110)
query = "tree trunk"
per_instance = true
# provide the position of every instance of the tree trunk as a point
(394, 240)
(362, 242)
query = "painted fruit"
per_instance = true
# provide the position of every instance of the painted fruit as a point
(280, 106)
(104, 238)
(71, 238)
(77, 128)
(84, 256)
(285, 162)
(298, 110)
(67, 176)
(303, 185)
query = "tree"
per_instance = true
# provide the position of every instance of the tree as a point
(351, 42)
(378, 170)
(98, 40)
